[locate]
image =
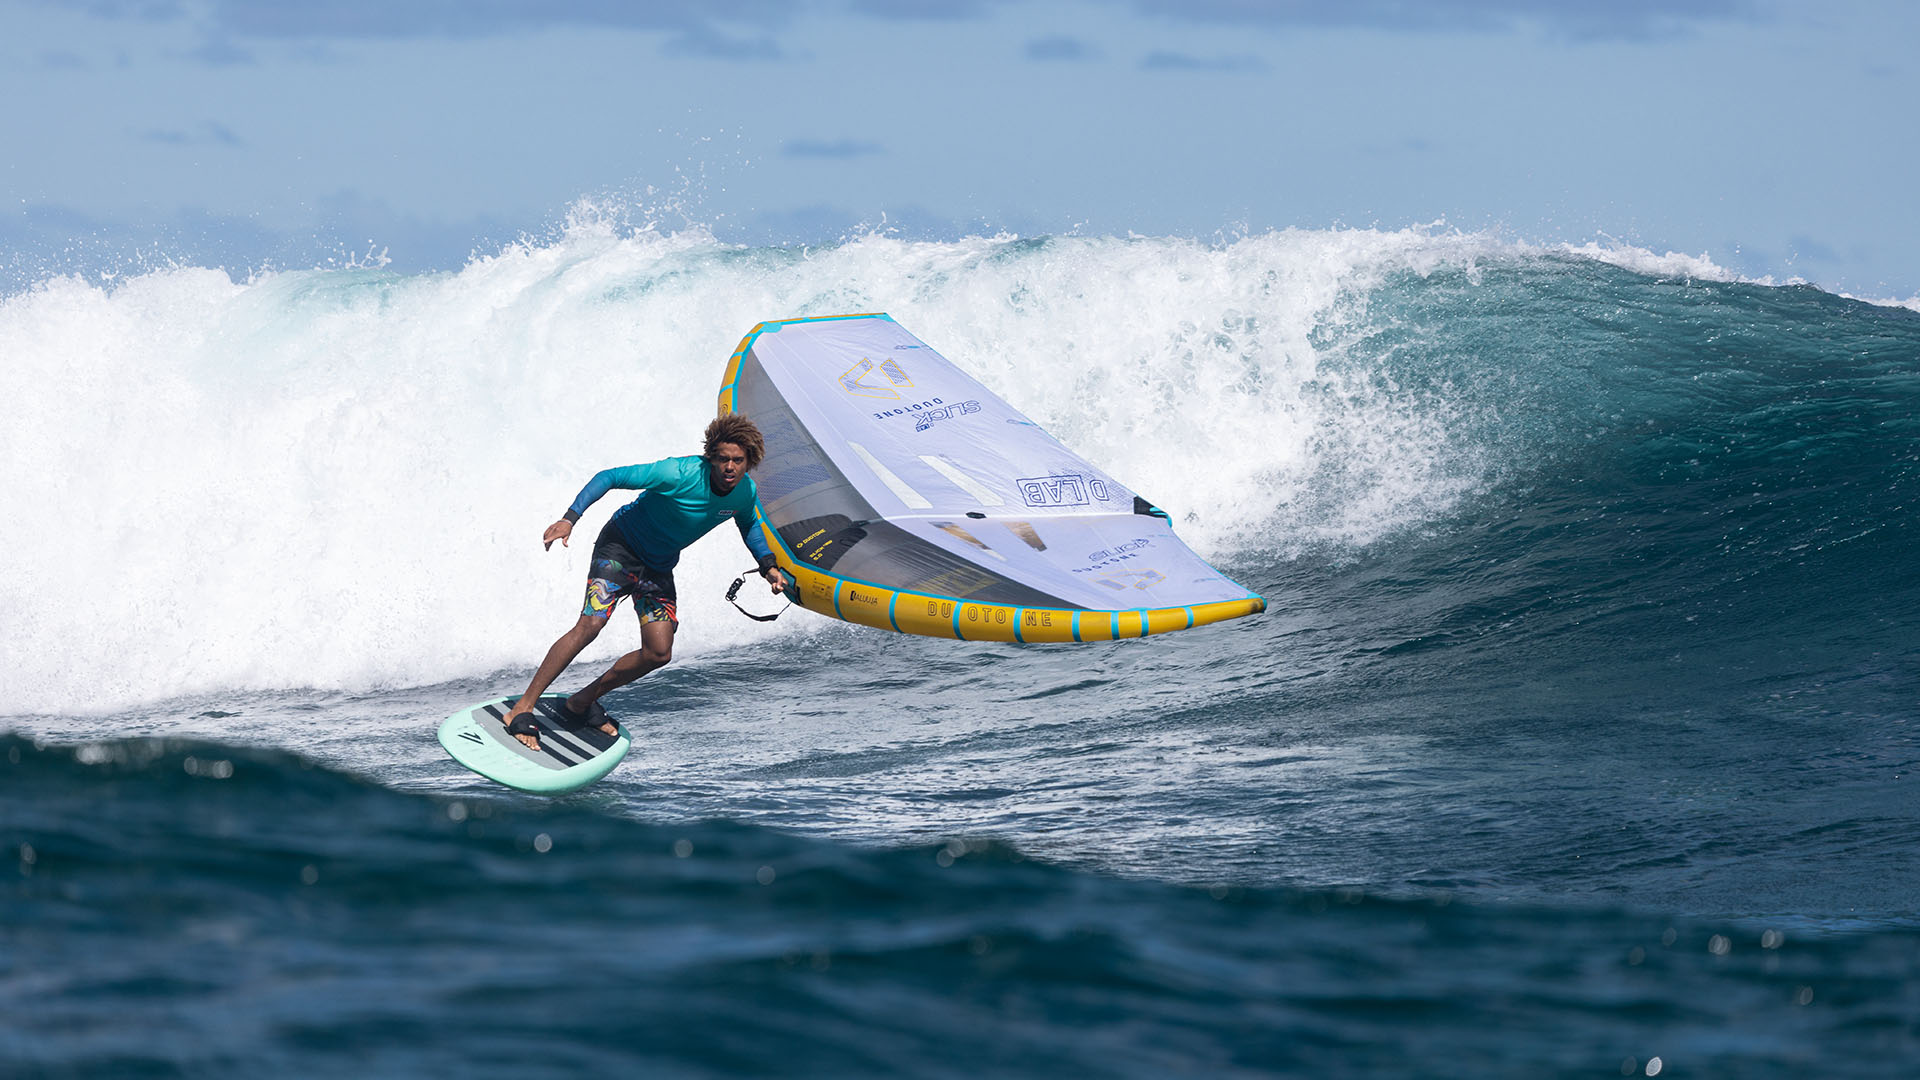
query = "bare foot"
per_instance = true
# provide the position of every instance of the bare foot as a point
(526, 731)
(605, 729)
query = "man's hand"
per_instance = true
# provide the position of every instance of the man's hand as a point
(559, 530)
(775, 578)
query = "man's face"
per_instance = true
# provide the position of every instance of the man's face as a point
(729, 464)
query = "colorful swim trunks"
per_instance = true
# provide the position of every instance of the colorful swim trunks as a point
(618, 573)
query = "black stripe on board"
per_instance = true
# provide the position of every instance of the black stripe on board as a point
(499, 713)
(551, 735)
(585, 729)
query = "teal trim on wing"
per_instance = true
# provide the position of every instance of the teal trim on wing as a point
(839, 579)
(774, 327)
(892, 620)
(1251, 595)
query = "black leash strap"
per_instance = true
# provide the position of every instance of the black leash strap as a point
(734, 591)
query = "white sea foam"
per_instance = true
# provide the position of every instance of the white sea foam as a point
(337, 478)
(1672, 264)
(1701, 267)
(1911, 303)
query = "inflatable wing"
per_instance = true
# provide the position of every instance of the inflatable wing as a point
(902, 494)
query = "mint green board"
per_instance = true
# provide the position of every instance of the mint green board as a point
(572, 753)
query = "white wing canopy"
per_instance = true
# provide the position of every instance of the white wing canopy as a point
(903, 494)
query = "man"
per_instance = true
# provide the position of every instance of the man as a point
(681, 499)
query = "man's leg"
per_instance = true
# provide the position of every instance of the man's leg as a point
(559, 656)
(656, 650)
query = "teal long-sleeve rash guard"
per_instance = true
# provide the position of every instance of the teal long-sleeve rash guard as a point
(677, 505)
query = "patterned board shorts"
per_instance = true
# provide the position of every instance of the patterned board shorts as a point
(618, 573)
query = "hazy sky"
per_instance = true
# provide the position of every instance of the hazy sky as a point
(1778, 138)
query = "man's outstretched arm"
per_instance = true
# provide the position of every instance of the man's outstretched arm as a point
(628, 477)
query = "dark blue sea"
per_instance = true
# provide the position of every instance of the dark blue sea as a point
(1578, 739)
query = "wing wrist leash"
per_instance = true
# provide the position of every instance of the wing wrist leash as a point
(733, 593)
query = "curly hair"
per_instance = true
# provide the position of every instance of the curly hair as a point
(739, 430)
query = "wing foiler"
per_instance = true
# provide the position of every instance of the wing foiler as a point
(902, 494)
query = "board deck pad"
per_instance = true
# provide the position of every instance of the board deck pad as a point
(573, 752)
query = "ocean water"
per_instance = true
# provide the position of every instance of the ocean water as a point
(1578, 738)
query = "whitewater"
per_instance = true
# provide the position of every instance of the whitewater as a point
(1578, 736)
(328, 478)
